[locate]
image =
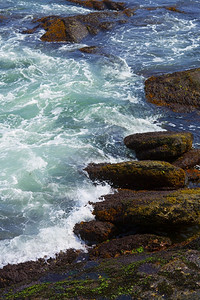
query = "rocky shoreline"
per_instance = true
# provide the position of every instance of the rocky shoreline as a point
(132, 252)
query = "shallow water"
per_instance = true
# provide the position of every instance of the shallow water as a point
(61, 109)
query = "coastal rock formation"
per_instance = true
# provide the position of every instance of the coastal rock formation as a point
(138, 174)
(75, 28)
(162, 145)
(100, 4)
(179, 91)
(155, 209)
(94, 232)
(130, 244)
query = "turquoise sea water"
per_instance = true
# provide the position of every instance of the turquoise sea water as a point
(61, 109)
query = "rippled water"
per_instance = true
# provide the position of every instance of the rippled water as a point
(61, 109)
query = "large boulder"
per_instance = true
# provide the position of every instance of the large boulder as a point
(160, 145)
(163, 209)
(131, 244)
(94, 232)
(179, 91)
(138, 174)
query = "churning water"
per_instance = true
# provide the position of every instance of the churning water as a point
(61, 109)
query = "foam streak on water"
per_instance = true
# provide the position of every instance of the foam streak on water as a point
(61, 109)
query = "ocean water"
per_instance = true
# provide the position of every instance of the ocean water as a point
(61, 109)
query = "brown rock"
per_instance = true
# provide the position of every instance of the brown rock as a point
(130, 245)
(193, 175)
(179, 91)
(100, 4)
(90, 49)
(138, 174)
(161, 145)
(95, 231)
(163, 209)
(188, 159)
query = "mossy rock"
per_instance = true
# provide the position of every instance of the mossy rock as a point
(160, 145)
(138, 174)
(163, 209)
(179, 91)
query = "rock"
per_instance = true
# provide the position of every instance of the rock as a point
(74, 29)
(95, 231)
(131, 244)
(188, 159)
(138, 174)
(100, 5)
(193, 175)
(180, 91)
(90, 49)
(163, 209)
(55, 30)
(174, 9)
(161, 145)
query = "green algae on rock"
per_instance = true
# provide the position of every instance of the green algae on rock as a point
(180, 91)
(160, 145)
(138, 174)
(164, 209)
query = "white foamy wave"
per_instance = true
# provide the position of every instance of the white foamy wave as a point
(51, 240)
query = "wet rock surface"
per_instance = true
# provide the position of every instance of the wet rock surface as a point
(129, 245)
(172, 274)
(161, 145)
(138, 174)
(179, 91)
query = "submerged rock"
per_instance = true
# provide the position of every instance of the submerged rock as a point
(90, 49)
(154, 209)
(94, 232)
(179, 91)
(138, 174)
(131, 244)
(161, 145)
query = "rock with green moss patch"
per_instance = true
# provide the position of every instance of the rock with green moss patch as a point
(138, 174)
(163, 209)
(160, 145)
